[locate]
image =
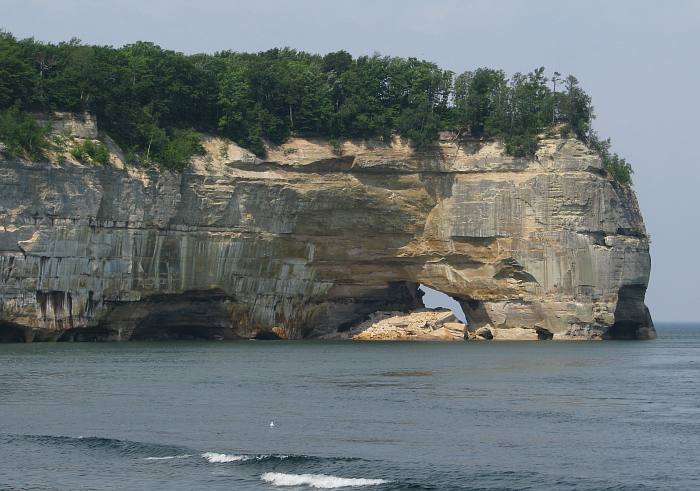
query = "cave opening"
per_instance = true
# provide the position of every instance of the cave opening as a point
(192, 316)
(12, 333)
(433, 298)
(632, 318)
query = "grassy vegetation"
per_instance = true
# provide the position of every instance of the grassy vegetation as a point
(21, 134)
(89, 151)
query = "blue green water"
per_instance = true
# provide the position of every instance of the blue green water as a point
(377, 416)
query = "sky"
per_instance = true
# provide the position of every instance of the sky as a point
(638, 59)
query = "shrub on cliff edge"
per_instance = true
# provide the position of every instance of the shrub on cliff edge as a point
(90, 151)
(21, 134)
(620, 170)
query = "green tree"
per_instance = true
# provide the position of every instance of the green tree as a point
(18, 79)
(576, 108)
(155, 102)
(480, 98)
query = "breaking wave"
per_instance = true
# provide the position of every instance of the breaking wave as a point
(154, 452)
(219, 458)
(319, 481)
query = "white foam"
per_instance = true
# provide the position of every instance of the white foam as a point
(319, 481)
(220, 458)
(168, 457)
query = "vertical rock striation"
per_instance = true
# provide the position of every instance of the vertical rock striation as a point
(308, 242)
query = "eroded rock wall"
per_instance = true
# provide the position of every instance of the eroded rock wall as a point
(310, 241)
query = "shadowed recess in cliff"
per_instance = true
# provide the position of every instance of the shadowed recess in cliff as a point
(435, 299)
(632, 318)
(399, 296)
(193, 315)
(12, 333)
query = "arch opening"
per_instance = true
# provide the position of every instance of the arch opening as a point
(433, 298)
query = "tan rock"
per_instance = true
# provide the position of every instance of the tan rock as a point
(423, 324)
(515, 334)
(483, 333)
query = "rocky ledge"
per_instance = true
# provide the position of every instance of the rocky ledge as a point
(315, 239)
(419, 325)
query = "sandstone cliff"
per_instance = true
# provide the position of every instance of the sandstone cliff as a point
(313, 239)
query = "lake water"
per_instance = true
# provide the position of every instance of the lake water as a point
(379, 416)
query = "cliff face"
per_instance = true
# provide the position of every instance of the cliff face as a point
(311, 241)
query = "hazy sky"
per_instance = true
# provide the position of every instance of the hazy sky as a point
(638, 59)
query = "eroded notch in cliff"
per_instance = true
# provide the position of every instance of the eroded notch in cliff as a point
(510, 268)
(193, 315)
(632, 318)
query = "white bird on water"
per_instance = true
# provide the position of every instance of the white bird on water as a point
(272, 424)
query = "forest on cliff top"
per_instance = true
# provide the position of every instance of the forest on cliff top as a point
(155, 102)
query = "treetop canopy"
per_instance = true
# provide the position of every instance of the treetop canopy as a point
(152, 101)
